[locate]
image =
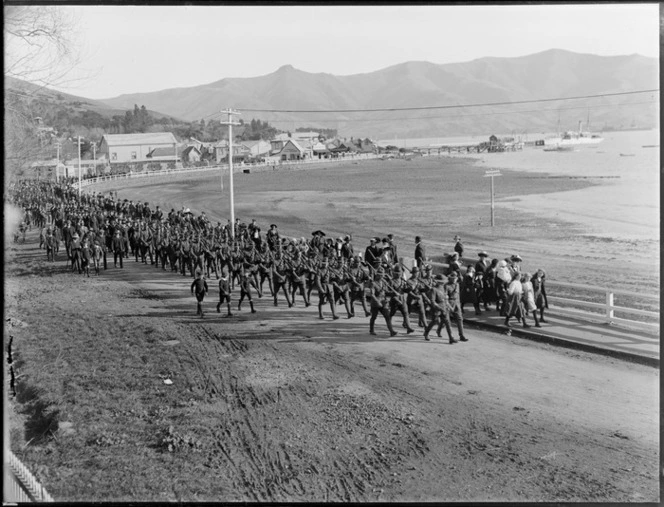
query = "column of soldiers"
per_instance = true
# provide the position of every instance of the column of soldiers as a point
(240, 256)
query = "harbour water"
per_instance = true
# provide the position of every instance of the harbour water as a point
(624, 204)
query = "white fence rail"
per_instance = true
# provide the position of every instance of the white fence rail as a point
(608, 309)
(237, 168)
(573, 307)
(22, 486)
(565, 306)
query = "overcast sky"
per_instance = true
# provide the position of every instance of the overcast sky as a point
(127, 49)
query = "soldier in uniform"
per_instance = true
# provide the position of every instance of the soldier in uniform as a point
(145, 243)
(325, 290)
(199, 287)
(415, 294)
(117, 247)
(439, 310)
(397, 298)
(224, 292)
(356, 278)
(246, 284)
(280, 280)
(49, 242)
(273, 238)
(379, 304)
(75, 247)
(298, 277)
(451, 289)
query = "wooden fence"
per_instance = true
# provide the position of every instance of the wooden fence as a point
(237, 168)
(578, 303)
(20, 484)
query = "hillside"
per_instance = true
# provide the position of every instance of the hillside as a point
(550, 74)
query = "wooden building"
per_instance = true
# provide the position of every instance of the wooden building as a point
(128, 148)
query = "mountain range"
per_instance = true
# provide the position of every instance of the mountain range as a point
(427, 95)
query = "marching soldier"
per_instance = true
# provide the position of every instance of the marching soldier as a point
(280, 280)
(451, 289)
(439, 310)
(199, 288)
(118, 248)
(378, 297)
(246, 284)
(325, 290)
(224, 292)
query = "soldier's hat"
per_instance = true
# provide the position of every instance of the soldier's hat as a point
(516, 258)
(272, 226)
(483, 254)
(439, 278)
(415, 269)
(452, 275)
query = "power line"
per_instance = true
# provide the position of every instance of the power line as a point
(361, 120)
(446, 107)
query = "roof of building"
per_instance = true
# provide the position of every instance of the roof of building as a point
(137, 139)
(294, 143)
(161, 152)
(187, 149)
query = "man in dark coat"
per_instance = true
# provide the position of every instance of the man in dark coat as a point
(420, 252)
(118, 248)
(199, 288)
(458, 246)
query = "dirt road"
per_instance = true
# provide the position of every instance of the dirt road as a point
(279, 406)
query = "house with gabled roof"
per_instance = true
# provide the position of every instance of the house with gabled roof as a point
(289, 150)
(240, 152)
(191, 154)
(257, 149)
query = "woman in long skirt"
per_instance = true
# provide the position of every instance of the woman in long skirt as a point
(513, 303)
(528, 300)
(539, 290)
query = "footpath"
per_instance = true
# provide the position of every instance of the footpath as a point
(565, 331)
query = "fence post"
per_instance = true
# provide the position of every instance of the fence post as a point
(609, 307)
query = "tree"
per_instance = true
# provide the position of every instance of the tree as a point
(39, 52)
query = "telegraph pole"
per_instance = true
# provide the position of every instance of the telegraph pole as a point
(79, 169)
(492, 173)
(230, 123)
(57, 145)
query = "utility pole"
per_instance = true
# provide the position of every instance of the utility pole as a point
(491, 173)
(230, 123)
(79, 169)
(57, 145)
